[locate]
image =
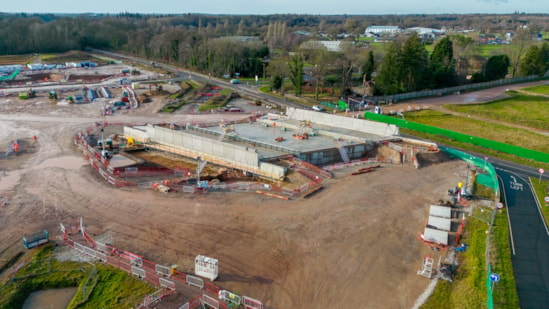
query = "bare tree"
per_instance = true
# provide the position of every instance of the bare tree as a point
(520, 44)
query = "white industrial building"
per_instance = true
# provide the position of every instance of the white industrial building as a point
(332, 46)
(427, 33)
(378, 30)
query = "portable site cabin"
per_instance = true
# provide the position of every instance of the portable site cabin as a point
(440, 211)
(35, 239)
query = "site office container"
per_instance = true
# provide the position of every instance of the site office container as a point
(35, 239)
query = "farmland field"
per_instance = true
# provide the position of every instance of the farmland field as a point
(15, 59)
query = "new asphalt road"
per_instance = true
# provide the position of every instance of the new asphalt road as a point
(529, 240)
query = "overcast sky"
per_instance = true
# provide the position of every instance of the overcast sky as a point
(313, 7)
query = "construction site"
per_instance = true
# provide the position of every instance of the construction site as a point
(298, 210)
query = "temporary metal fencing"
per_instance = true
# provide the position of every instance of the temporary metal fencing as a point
(166, 283)
(198, 282)
(210, 301)
(163, 270)
(139, 272)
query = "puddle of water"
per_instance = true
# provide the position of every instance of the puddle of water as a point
(8, 180)
(50, 299)
(69, 163)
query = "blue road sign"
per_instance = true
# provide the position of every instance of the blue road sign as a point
(494, 277)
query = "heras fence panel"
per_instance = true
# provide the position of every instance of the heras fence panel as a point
(210, 301)
(101, 247)
(139, 272)
(89, 251)
(250, 303)
(79, 247)
(230, 297)
(101, 256)
(166, 283)
(198, 282)
(153, 298)
(135, 259)
(163, 270)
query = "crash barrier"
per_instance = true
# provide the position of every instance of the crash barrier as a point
(464, 138)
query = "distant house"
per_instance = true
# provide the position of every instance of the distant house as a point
(378, 30)
(427, 33)
(333, 46)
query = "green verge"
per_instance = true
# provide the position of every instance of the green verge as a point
(113, 289)
(523, 110)
(468, 290)
(541, 89)
(496, 132)
(505, 293)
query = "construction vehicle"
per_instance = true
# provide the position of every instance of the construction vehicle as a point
(27, 95)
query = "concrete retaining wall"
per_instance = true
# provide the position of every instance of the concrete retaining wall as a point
(360, 125)
(332, 155)
(240, 157)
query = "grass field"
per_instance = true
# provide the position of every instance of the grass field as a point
(523, 110)
(541, 89)
(109, 288)
(492, 131)
(487, 50)
(15, 59)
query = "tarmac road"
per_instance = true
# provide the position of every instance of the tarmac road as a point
(529, 240)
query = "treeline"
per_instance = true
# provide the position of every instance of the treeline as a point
(272, 44)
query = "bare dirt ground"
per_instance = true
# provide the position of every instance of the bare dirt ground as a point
(352, 245)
